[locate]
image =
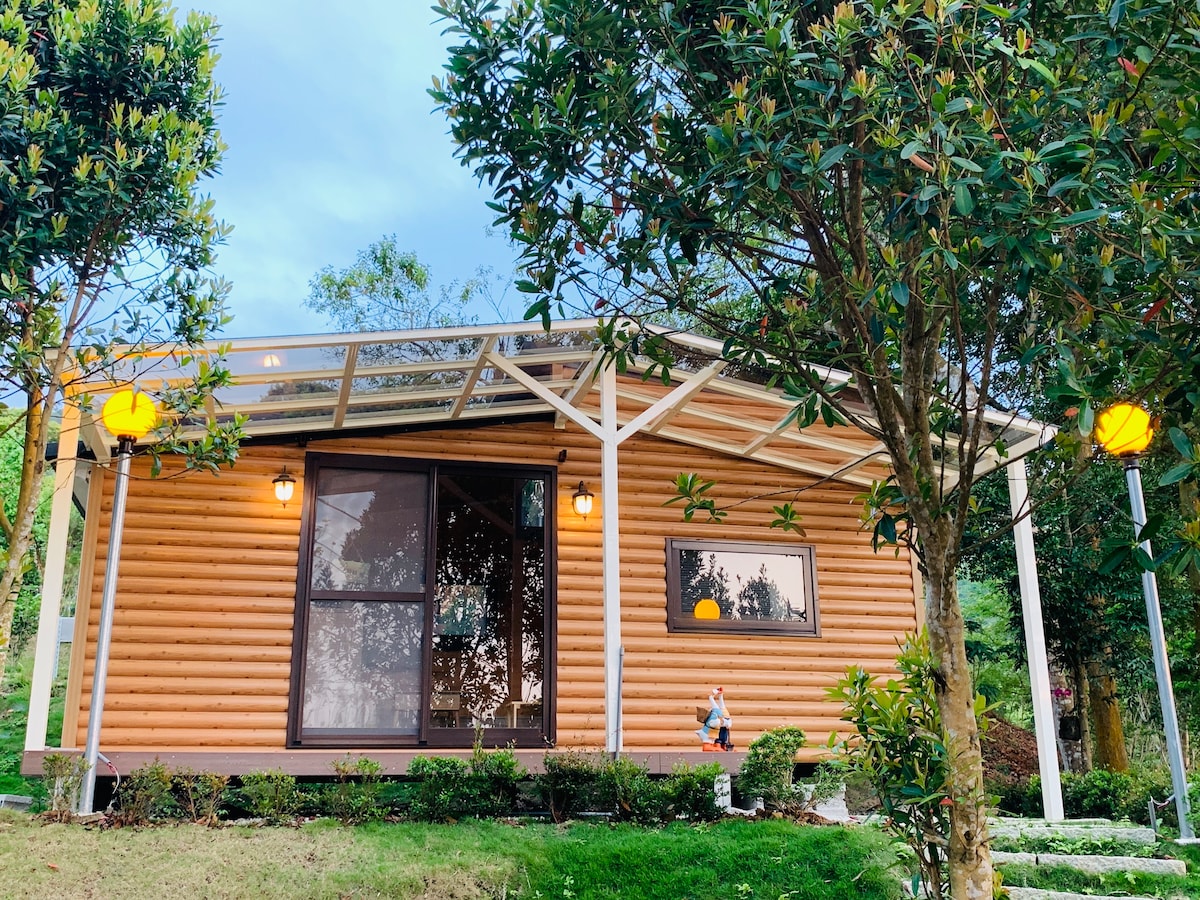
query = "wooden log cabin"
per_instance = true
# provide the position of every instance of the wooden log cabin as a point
(431, 572)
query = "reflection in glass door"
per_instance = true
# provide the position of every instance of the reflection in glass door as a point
(366, 616)
(422, 607)
(487, 649)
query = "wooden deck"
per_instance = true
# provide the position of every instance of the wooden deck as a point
(317, 763)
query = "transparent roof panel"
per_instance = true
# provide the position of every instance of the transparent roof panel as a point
(238, 395)
(294, 384)
(451, 380)
(393, 352)
(382, 413)
(278, 361)
(569, 344)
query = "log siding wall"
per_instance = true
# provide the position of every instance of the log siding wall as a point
(202, 638)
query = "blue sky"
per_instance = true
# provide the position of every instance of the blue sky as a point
(333, 143)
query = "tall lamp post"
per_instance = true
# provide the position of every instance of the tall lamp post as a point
(129, 416)
(1125, 431)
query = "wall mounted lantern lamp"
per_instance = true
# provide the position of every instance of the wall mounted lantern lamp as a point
(581, 501)
(285, 486)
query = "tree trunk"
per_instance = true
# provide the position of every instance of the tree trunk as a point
(33, 468)
(1080, 687)
(970, 861)
(1106, 714)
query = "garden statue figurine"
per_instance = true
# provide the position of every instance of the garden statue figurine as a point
(715, 717)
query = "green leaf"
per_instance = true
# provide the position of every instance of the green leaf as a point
(832, 156)
(900, 293)
(1151, 528)
(1182, 443)
(963, 201)
(1176, 474)
(1085, 215)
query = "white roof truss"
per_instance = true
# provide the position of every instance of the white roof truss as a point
(331, 383)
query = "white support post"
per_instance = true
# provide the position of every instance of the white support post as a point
(610, 530)
(45, 649)
(1035, 642)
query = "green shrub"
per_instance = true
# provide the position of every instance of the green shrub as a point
(201, 794)
(63, 774)
(769, 768)
(484, 787)
(1098, 794)
(1089, 846)
(570, 783)
(144, 795)
(492, 782)
(636, 797)
(827, 784)
(354, 797)
(270, 795)
(899, 745)
(692, 793)
(1148, 782)
(441, 786)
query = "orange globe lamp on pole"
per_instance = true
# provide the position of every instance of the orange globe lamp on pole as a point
(128, 416)
(1125, 431)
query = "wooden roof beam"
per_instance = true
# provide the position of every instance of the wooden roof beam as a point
(339, 413)
(468, 388)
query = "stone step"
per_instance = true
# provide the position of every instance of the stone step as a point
(1022, 893)
(1072, 829)
(1094, 865)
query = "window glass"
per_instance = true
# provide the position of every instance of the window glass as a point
(370, 531)
(488, 633)
(423, 604)
(731, 586)
(363, 667)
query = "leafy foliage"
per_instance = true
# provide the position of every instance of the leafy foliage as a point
(387, 289)
(692, 793)
(63, 774)
(569, 782)
(901, 748)
(450, 788)
(271, 795)
(145, 795)
(769, 768)
(201, 794)
(105, 239)
(958, 206)
(355, 796)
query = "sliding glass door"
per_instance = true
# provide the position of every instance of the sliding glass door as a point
(423, 609)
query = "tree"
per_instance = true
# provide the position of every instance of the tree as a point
(387, 289)
(110, 128)
(936, 197)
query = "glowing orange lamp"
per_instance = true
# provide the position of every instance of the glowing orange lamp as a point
(1124, 429)
(129, 414)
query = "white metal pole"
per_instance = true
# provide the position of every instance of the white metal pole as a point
(1158, 645)
(104, 640)
(610, 531)
(45, 653)
(1035, 642)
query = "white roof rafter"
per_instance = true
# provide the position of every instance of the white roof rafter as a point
(330, 383)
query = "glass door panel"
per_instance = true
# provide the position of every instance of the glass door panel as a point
(363, 667)
(489, 619)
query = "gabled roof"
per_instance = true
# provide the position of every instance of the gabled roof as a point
(331, 383)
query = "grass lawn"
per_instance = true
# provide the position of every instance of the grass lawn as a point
(732, 860)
